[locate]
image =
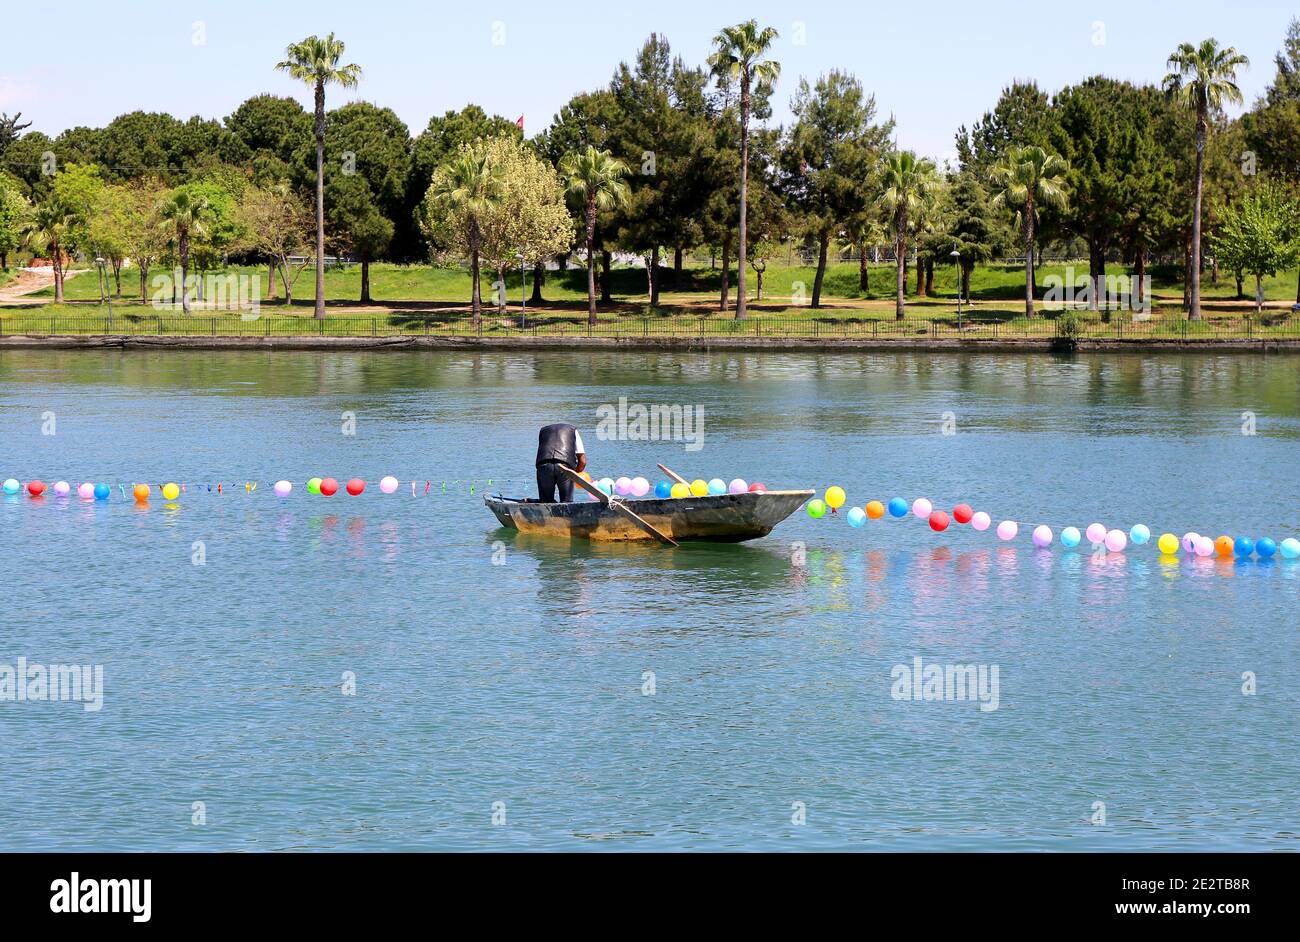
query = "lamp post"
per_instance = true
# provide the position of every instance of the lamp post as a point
(523, 292)
(956, 258)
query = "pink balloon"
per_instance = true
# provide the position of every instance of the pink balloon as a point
(1096, 533)
(388, 484)
(623, 486)
(738, 486)
(1008, 529)
(640, 487)
(1204, 546)
(1043, 536)
(62, 489)
(1189, 542)
(86, 491)
(922, 507)
(1116, 540)
(981, 520)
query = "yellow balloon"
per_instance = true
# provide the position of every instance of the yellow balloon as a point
(680, 490)
(700, 488)
(835, 497)
(1168, 544)
(171, 491)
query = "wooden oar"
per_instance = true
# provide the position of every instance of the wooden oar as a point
(619, 506)
(674, 475)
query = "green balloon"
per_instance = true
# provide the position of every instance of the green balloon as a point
(313, 486)
(816, 509)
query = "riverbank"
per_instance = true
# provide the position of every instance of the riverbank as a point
(705, 344)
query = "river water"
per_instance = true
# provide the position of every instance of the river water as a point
(395, 672)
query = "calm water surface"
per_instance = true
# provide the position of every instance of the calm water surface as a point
(1120, 678)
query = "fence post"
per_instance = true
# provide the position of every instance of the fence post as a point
(374, 327)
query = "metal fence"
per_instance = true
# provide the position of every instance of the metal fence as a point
(631, 327)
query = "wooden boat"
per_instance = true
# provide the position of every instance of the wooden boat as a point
(721, 518)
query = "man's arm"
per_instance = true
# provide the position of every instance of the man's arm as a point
(582, 463)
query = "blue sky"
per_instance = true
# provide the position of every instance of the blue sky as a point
(934, 66)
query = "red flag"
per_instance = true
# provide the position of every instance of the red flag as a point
(520, 122)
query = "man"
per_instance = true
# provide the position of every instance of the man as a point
(558, 445)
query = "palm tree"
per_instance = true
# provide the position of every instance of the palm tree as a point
(467, 188)
(1202, 79)
(738, 57)
(316, 62)
(185, 212)
(595, 177)
(908, 181)
(45, 231)
(1027, 178)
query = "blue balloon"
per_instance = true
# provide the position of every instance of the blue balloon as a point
(717, 486)
(898, 507)
(857, 517)
(1070, 537)
(11, 486)
(1265, 548)
(663, 489)
(1290, 548)
(102, 491)
(1244, 547)
(1139, 534)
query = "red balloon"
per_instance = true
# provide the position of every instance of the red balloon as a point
(962, 513)
(36, 488)
(758, 489)
(938, 521)
(356, 486)
(329, 487)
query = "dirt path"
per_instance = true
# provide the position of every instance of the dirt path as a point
(28, 281)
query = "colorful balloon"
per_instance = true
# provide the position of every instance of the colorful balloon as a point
(1204, 546)
(85, 490)
(329, 487)
(1190, 541)
(816, 509)
(1116, 540)
(699, 488)
(36, 488)
(171, 491)
(313, 486)
(11, 486)
(356, 486)
(898, 507)
(1139, 534)
(1070, 537)
(962, 513)
(1265, 548)
(981, 521)
(680, 490)
(1167, 544)
(605, 485)
(664, 489)
(640, 487)
(758, 488)
(141, 492)
(921, 508)
(102, 492)
(875, 510)
(1223, 546)
(938, 521)
(857, 517)
(282, 488)
(388, 484)
(835, 497)
(1243, 547)
(1290, 548)
(623, 486)
(737, 486)
(717, 486)
(62, 488)
(1096, 533)
(1008, 529)
(1042, 536)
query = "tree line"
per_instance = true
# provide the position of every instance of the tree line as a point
(669, 158)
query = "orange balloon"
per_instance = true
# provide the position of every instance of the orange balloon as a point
(1223, 546)
(141, 492)
(875, 510)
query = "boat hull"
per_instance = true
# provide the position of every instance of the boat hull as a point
(723, 518)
